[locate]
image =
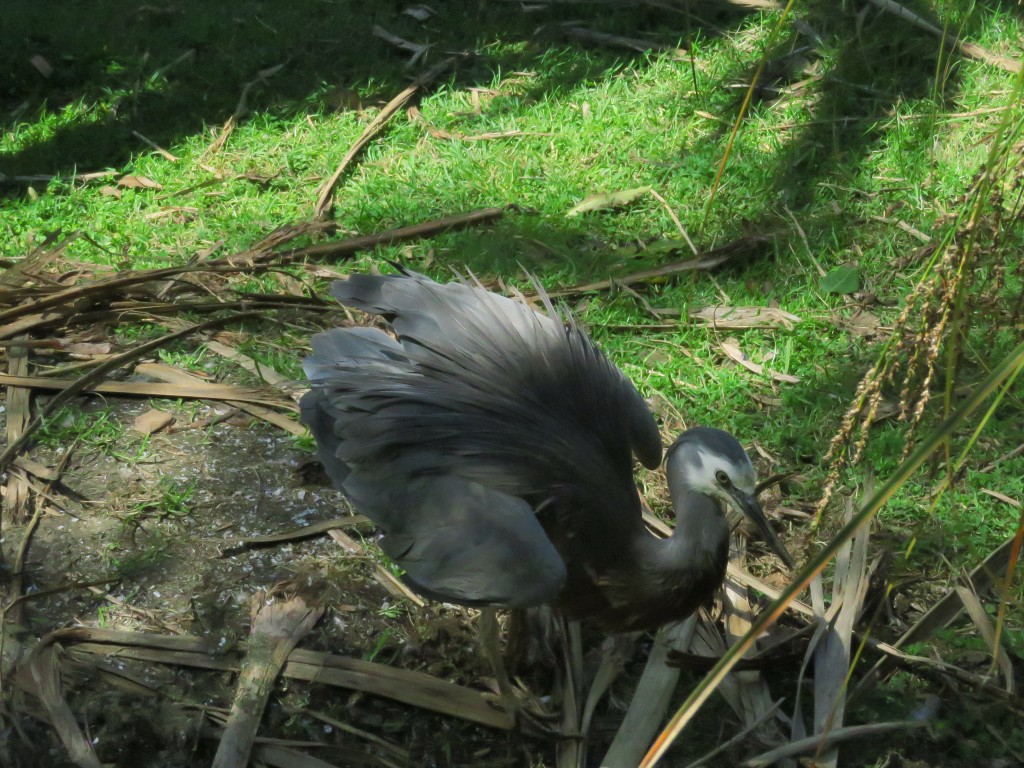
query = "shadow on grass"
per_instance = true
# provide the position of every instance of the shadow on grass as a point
(168, 71)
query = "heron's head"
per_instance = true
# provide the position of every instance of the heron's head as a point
(712, 462)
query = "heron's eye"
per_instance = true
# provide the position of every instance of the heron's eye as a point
(723, 478)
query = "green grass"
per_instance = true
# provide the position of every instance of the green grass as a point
(856, 135)
(98, 430)
(170, 501)
(852, 137)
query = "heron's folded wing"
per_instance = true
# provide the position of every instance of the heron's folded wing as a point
(460, 541)
(367, 350)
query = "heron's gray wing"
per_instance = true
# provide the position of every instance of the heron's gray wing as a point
(458, 540)
(523, 410)
(368, 350)
(456, 320)
(509, 344)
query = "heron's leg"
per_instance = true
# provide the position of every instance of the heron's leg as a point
(532, 636)
(490, 639)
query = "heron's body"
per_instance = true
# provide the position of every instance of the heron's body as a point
(494, 446)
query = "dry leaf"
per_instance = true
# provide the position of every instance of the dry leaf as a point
(744, 317)
(767, 402)
(86, 348)
(136, 182)
(860, 323)
(109, 191)
(263, 74)
(1002, 497)
(416, 49)
(290, 284)
(152, 421)
(652, 697)
(40, 676)
(326, 273)
(607, 200)
(277, 627)
(420, 12)
(41, 471)
(42, 65)
(175, 375)
(732, 350)
(988, 633)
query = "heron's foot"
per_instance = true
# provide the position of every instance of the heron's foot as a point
(529, 712)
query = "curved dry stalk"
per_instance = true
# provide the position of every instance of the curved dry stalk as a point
(830, 739)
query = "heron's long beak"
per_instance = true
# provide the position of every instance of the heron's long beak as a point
(751, 507)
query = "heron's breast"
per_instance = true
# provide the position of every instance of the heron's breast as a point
(633, 600)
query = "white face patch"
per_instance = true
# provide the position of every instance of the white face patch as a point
(695, 464)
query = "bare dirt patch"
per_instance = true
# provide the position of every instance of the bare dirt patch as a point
(148, 524)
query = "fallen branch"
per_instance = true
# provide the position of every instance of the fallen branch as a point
(277, 627)
(353, 245)
(822, 741)
(417, 117)
(192, 391)
(573, 31)
(716, 257)
(176, 376)
(970, 50)
(27, 310)
(272, 752)
(414, 688)
(234, 546)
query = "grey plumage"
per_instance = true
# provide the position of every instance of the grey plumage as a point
(494, 446)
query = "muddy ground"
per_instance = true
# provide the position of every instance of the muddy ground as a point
(137, 537)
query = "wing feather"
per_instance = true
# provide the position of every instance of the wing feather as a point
(490, 409)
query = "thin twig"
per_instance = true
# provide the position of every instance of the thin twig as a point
(676, 221)
(352, 245)
(1005, 457)
(390, 109)
(971, 50)
(98, 373)
(153, 145)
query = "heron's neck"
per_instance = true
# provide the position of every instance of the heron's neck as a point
(667, 579)
(701, 531)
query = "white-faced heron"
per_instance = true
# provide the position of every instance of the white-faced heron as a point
(494, 446)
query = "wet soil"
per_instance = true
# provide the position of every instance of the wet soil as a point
(138, 537)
